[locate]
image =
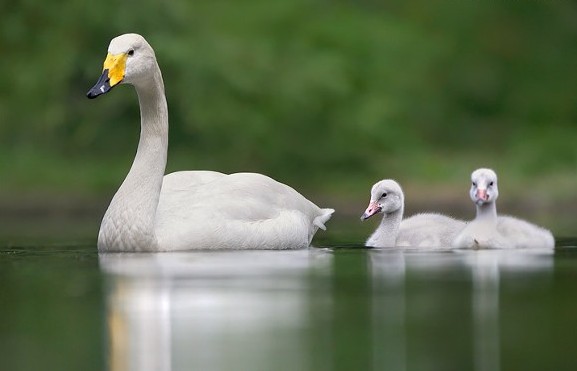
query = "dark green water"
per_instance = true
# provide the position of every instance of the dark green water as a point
(334, 308)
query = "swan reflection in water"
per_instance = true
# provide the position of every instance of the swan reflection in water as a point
(209, 310)
(394, 273)
(313, 309)
(486, 266)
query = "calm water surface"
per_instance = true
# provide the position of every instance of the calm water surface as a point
(332, 308)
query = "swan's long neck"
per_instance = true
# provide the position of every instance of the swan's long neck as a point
(128, 224)
(388, 229)
(487, 212)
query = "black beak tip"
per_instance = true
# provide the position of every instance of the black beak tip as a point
(102, 86)
(92, 94)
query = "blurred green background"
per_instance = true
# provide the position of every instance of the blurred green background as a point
(326, 96)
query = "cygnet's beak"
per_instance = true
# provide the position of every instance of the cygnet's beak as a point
(373, 209)
(482, 196)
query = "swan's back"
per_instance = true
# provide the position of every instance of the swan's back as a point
(186, 180)
(428, 230)
(523, 234)
(237, 211)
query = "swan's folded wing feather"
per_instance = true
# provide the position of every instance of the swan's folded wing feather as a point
(428, 230)
(523, 233)
(245, 209)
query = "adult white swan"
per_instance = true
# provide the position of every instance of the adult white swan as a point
(192, 209)
(488, 230)
(420, 230)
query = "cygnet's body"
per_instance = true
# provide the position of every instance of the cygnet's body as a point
(420, 230)
(488, 230)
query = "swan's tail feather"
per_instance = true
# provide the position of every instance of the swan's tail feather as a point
(320, 220)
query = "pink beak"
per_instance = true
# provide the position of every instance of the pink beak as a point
(482, 195)
(373, 209)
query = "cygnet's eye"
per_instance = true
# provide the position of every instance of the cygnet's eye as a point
(384, 195)
(130, 52)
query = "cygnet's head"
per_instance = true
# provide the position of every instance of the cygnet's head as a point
(386, 197)
(130, 60)
(483, 186)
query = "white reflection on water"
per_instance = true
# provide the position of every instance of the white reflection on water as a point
(210, 310)
(297, 310)
(486, 266)
(389, 269)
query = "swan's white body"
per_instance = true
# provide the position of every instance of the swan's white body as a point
(420, 230)
(190, 209)
(488, 230)
(428, 230)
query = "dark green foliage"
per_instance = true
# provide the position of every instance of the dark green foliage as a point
(302, 89)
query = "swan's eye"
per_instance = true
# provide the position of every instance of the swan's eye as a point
(491, 184)
(474, 184)
(131, 52)
(384, 195)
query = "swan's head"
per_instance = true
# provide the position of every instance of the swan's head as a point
(483, 186)
(386, 197)
(130, 60)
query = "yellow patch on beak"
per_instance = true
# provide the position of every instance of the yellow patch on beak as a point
(116, 65)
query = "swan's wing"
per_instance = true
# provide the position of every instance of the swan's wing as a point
(428, 230)
(246, 209)
(524, 234)
(508, 232)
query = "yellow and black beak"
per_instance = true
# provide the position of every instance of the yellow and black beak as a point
(112, 74)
